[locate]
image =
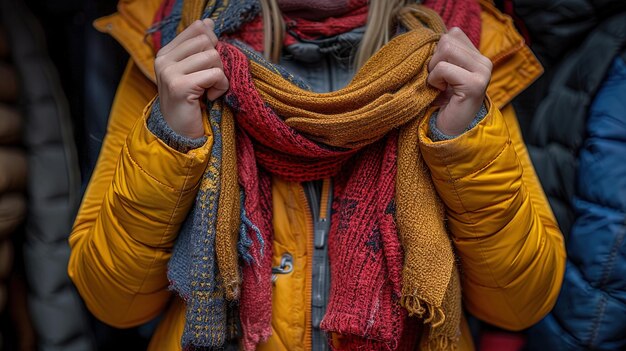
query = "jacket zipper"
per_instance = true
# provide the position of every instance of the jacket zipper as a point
(319, 204)
(307, 287)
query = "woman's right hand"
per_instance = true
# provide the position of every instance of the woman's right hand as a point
(186, 69)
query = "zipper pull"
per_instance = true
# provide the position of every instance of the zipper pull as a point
(285, 267)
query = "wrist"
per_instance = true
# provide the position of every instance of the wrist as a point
(191, 133)
(457, 121)
(161, 129)
(448, 129)
(437, 134)
(185, 121)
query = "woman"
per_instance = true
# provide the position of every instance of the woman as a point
(323, 227)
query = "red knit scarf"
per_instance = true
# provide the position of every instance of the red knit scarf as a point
(364, 247)
(302, 28)
(464, 14)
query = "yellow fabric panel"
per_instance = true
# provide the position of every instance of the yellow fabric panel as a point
(514, 65)
(290, 300)
(511, 250)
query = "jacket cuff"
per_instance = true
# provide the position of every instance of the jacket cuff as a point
(162, 163)
(437, 135)
(159, 127)
(453, 159)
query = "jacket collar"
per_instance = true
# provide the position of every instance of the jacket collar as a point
(514, 65)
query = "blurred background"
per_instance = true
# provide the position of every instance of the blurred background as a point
(58, 78)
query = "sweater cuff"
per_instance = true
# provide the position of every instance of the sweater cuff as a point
(159, 127)
(437, 135)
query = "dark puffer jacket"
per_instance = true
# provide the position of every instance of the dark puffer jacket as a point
(577, 141)
(52, 189)
(576, 41)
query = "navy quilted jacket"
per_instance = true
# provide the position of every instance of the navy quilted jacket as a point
(590, 313)
(574, 123)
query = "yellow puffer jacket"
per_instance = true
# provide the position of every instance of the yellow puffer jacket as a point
(510, 248)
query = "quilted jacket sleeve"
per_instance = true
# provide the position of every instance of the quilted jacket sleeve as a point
(138, 196)
(510, 248)
(590, 313)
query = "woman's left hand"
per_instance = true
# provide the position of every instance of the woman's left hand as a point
(462, 74)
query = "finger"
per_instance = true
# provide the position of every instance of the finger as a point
(465, 84)
(211, 30)
(212, 79)
(200, 61)
(452, 50)
(464, 41)
(445, 74)
(459, 34)
(449, 51)
(196, 28)
(188, 48)
(443, 97)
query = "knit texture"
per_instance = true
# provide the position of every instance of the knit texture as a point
(364, 245)
(298, 28)
(462, 14)
(388, 245)
(435, 134)
(159, 127)
(318, 9)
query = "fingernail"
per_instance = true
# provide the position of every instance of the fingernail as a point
(208, 22)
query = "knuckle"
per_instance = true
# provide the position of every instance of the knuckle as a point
(479, 82)
(158, 64)
(444, 39)
(162, 71)
(217, 73)
(213, 39)
(485, 82)
(437, 73)
(441, 67)
(202, 40)
(197, 24)
(166, 73)
(430, 79)
(159, 54)
(487, 62)
(174, 85)
(455, 31)
(212, 56)
(446, 47)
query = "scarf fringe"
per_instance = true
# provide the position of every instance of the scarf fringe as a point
(250, 341)
(423, 310)
(441, 343)
(232, 290)
(435, 318)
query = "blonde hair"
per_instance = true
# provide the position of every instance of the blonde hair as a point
(381, 22)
